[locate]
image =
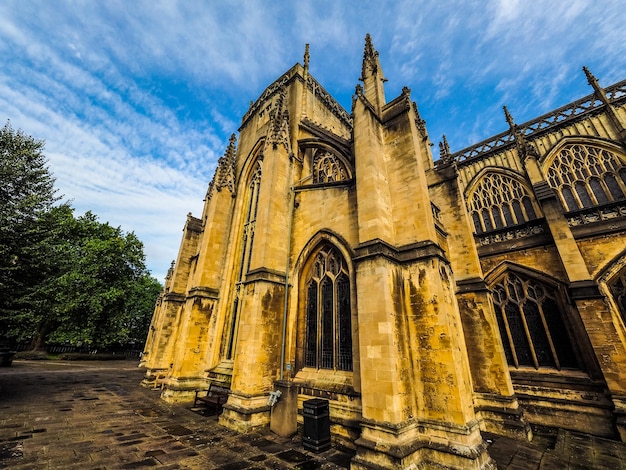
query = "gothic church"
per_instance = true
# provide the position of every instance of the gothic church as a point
(426, 300)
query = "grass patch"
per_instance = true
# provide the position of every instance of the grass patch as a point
(44, 356)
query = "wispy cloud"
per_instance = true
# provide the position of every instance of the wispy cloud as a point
(136, 100)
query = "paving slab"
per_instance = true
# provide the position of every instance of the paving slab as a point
(95, 415)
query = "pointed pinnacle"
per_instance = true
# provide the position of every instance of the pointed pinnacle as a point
(306, 56)
(509, 118)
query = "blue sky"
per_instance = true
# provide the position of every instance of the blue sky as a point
(136, 99)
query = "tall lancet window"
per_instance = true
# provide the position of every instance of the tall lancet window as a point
(531, 324)
(251, 209)
(328, 342)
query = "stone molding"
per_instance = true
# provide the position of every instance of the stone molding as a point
(402, 254)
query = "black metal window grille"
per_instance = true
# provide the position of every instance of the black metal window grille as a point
(531, 324)
(585, 176)
(500, 201)
(328, 314)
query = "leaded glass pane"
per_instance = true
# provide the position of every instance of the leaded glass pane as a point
(598, 191)
(519, 214)
(345, 324)
(508, 216)
(613, 185)
(570, 200)
(476, 219)
(311, 326)
(558, 333)
(541, 345)
(528, 206)
(487, 220)
(518, 335)
(328, 340)
(583, 195)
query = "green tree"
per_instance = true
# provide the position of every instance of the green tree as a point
(27, 196)
(63, 278)
(105, 294)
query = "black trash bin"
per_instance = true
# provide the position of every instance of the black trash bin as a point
(316, 433)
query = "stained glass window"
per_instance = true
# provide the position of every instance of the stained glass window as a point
(328, 340)
(327, 168)
(531, 324)
(500, 201)
(586, 176)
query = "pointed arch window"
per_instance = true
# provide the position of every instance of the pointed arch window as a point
(500, 201)
(328, 168)
(251, 209)
(585, 176)
(531, 324)
(328, 340)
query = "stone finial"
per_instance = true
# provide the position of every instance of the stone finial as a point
(591, 79)
(508, 117)
(307, 57)
(444, 151)
(371, 65)
(279, 129)
(419, 122)
(170, 271)
(224, 176)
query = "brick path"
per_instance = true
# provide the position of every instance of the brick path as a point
(96, 416)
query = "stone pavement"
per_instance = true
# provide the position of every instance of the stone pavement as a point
(95, 415)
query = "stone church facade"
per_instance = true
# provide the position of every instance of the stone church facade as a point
(426, 300)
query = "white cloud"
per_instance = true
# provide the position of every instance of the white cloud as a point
(136, 100)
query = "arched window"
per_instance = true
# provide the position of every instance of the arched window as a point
(531, 324)
(500, 201)
(327, 168)
(618, 290)
(328, 341)
(251, 209)
(586, 176)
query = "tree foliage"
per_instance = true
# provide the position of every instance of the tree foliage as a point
(64, 278)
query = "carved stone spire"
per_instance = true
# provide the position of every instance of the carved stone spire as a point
(225, 172)
(508, 117)
(524, 149)
(372, 76)
(444, 151)
(600, 94)
(279, 128)
(307, 57)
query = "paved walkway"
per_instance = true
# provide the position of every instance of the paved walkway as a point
(88, 415)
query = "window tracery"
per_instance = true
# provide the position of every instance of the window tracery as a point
(586, 176)
(328, 340)
(531, 324)
(500, 201)
(327, 168)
